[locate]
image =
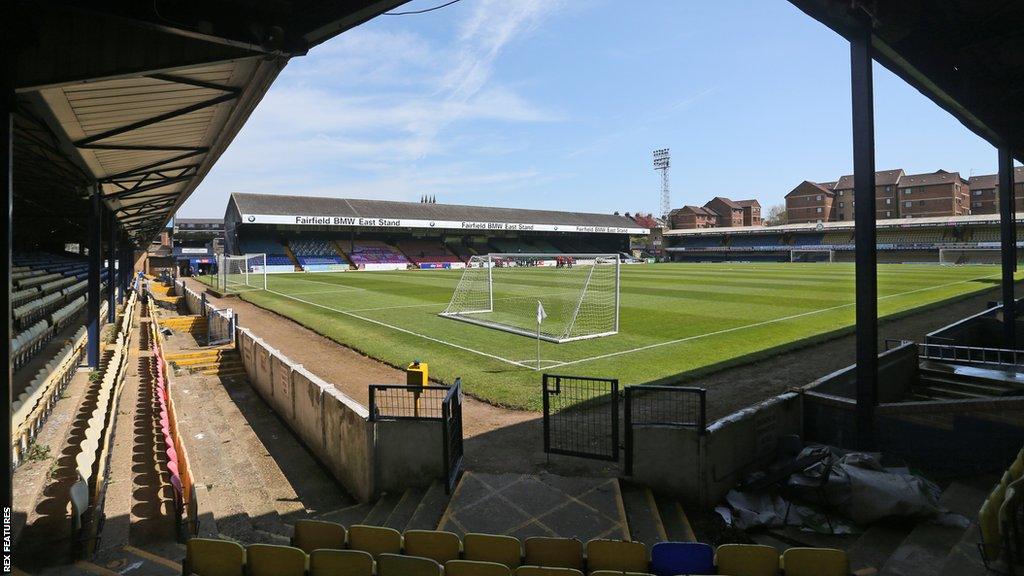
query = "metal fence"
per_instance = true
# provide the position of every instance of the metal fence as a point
(971, 354)
(581, 416)
(396, 402)
(662, 406)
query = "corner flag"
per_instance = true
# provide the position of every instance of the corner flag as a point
(541, 315)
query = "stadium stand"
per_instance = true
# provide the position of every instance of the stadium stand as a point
(365, 254)
(426, 251)
(276, 254)
(316, 254)
(757, 240)
(320, 548)
(510, 246)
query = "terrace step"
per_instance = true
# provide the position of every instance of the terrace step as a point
(430, 509)
(673, 518)
(404, 510)
(383, 508)
(926, 548)
(952, 393)
(985, 389)
(642, 516)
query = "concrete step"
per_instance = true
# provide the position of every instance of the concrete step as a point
(645, 524)
(926, 548)
(950, 393)
(347, 516)
(382, 509)
(238, 500)
(966, 386)
(431, 508)
(673, 518)
(404, 510)
(874, 547)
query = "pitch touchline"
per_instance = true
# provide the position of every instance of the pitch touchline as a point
(756, 324)
(400, 329)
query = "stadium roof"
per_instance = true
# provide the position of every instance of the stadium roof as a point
(319, 211)
(142, 99)
(972, 219)
(965, 55)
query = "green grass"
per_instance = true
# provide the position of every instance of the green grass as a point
(675, 318)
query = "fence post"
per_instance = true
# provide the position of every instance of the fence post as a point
(373, 404)
(202, 303)
(628, 436)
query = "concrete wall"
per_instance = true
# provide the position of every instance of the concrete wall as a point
(701, 467)
(409, 453)
(333, 426)
(897, 373)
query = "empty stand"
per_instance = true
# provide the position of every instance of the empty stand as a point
(427, 251)
(368, 253)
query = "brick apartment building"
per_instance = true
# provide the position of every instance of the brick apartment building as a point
(897, 195)
(886, 182)
(985, 192)
(689, 217)
(719, 212)
(810, 202)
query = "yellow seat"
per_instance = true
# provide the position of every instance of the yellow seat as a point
(315, 534)
(399, 565)
(815, 562)
(1017, 467)
(274, 560)
(988, 522)
(546, 571)
(210, 557)
(375, 539)
(324, 562)
(475, 568)
(434, 544)
(747, 560)
(616, 555)
(492, 548)
(554, 552)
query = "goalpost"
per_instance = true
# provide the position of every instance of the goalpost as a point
(966, 256)
(241, 273)
(579, 293)
(812, 255)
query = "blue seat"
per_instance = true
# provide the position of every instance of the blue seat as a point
(672, 558)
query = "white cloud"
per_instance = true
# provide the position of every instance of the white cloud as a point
(383, 99)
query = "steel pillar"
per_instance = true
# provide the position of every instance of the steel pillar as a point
(95, 264)
(861, 90)
(111, 266)
(1008, 240)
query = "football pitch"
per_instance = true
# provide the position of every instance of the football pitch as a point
(673, 318)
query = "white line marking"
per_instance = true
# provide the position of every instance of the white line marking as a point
(400, 329)
(757, 324)
(289, 279)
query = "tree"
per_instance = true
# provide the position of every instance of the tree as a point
(776, 215)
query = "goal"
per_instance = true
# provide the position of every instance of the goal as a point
(579, 294)
(242, 273)
(812, 255)
(965, 256)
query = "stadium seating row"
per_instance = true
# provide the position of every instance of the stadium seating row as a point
(185, 505)
(328, 548)
(31, 408)
(1001, 517)
(373, 252)
(27, 343)
(422, 251)
(91, 460)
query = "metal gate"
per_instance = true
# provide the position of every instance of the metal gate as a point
(451, 427)
(581, 416)
(220, 326)
(677, 406)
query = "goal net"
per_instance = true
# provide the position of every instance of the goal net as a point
(965, 256)
(810, 255)
(241, 273)
(579, 294)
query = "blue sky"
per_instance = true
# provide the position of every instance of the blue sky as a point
(558, 104)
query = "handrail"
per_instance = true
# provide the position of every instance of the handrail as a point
(971, 354)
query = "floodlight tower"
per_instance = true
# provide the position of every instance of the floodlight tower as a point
(661, 162)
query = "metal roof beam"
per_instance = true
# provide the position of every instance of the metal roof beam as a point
(85, 142)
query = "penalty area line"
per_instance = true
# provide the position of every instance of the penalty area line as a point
(405, 331)
(762, 323)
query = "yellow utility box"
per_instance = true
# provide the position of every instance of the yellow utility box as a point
(416, 374)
